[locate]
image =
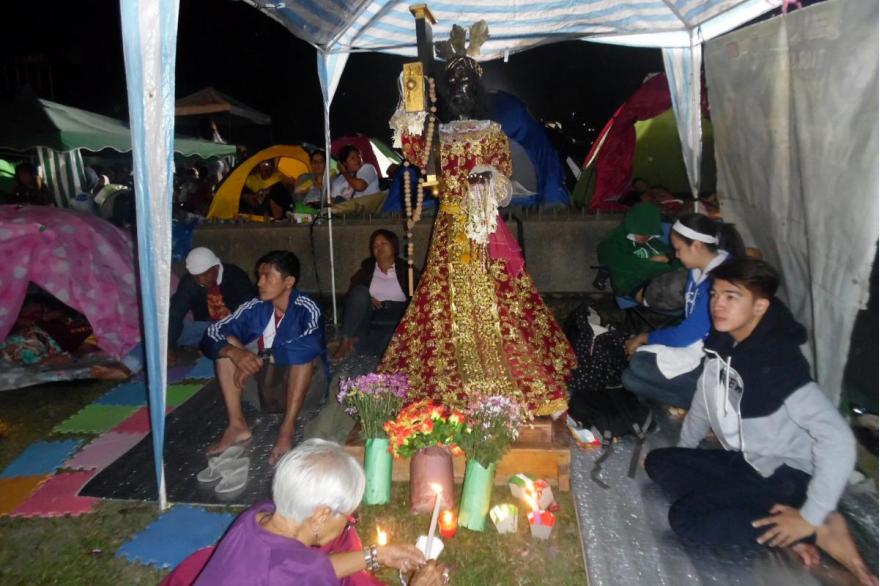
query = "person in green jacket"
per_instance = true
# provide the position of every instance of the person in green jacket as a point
(634, 252)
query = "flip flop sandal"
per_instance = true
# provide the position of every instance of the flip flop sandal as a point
(235, 449)
(235, 478)
(218, 464)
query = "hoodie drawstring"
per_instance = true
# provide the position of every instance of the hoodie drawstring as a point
(726, 364)
(727, 383)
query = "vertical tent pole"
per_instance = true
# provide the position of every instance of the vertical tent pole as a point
(149, 41)
(329, 208)
(682, 67)
(329, 71)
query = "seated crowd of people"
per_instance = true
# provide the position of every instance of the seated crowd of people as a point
(732, 365)
(305, 534)
(267, 192)
(783, 453)
(277, 336)
(270, 194)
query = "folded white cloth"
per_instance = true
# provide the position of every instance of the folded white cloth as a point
(673, 362)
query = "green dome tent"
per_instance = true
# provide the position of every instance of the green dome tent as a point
(58, 133)
(641, 140)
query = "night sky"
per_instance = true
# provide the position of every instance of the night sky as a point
(233, 47)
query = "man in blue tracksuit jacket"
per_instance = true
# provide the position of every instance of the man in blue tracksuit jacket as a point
(786, 451)
(288, 329)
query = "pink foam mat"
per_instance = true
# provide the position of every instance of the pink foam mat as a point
(138, 423)
(104, 450)
(58, 497)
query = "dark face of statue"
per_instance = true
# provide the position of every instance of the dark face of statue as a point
(463, 85)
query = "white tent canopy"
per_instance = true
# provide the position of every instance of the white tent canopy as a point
(346, 26)
(337, 28)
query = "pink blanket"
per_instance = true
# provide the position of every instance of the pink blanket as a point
(84, 261)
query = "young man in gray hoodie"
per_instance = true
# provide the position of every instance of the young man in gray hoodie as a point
(787, 453)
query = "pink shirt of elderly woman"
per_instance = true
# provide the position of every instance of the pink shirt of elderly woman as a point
(305, 534)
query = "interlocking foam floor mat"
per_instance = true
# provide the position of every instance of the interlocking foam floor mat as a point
(58, 497)
(14, 491)
(41, 458)
(96, 419)
(130, 393)
(104, 450)
(175, 535)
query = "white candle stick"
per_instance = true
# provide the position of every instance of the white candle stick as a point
(438, 491)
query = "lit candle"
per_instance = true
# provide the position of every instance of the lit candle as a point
(381, 537)
(544, 495)
(448, 524)
(438, 497)
(531, 500)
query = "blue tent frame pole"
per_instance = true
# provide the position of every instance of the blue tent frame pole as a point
(149, 40)
(330, 67)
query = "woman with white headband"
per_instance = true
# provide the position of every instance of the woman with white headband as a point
(668, 364)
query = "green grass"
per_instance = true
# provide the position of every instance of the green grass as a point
(82, 550)
(480, 559)
(70, 550)
(75, 550)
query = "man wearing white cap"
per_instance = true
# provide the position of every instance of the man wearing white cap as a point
(211, 290)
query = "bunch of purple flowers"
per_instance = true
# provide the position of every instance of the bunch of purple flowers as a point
(492, 424)
(374, 398)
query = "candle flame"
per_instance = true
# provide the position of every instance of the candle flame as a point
(531, 500)
(381, 537)
(447, 518)
(436, 488)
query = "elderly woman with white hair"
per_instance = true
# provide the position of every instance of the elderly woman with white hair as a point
(317, 486)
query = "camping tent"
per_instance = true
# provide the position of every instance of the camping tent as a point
(32, 123)
(85, 262)
(536, 164)
(640, 140)
(373, 151)
(338, 27)
(59, 133)
(211, 113)
(211, 101)
(291, 161)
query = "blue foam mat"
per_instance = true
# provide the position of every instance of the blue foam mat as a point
(204, 369)
(41, 458)
(130, 393)
(168, 540)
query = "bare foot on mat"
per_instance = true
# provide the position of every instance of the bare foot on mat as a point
(807, 553)
(283, 444)
(833, 538)
(110, 372)
(233, 436)
(344, 349)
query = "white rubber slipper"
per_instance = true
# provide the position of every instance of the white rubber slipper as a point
(234, 478)
(217, 465)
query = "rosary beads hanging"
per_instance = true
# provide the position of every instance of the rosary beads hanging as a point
(414, 215)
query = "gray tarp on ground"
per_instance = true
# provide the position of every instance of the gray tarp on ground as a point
(794, 108)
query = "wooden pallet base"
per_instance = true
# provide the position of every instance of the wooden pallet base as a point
(542, 451)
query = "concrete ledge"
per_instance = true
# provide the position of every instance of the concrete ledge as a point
(559, 249)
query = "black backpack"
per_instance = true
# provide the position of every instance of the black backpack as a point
(597, 400)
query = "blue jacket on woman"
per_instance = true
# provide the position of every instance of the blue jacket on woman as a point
(697, 322)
